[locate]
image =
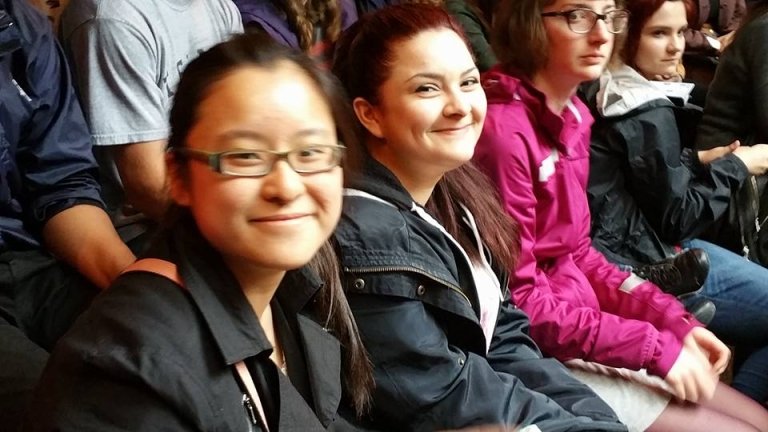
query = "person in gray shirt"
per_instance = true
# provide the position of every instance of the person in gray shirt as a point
(127, 56)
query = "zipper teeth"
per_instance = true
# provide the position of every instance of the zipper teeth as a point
(379, 269)
(756, 205)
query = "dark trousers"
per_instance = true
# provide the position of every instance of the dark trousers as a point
(40, 298)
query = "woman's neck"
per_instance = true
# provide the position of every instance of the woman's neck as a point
(258, 284)
(420, 183)
(557, 91)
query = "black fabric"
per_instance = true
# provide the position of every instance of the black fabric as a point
(744, 230)
(408, 293)
(39, 299)
(149, 355)
(647, 190)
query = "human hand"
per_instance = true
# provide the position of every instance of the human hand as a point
(708, 156)
(755, 157)
(715, 350)
(691, 377)
(674, 77)
(725, 40)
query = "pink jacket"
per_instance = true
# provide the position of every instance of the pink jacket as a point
(580, 305)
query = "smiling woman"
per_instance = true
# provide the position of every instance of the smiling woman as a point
(426, 248)
(254, 173)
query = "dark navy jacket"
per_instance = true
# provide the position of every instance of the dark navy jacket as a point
(647, 193)
(415, 303)
(46, 162)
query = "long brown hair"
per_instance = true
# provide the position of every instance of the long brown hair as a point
(518, 37)
(305, 16)
(258, 50)
(364, 57)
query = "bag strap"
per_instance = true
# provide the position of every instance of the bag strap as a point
(170, 271)
(158, 266)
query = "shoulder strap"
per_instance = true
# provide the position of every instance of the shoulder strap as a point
(169, 270)
(158, 266)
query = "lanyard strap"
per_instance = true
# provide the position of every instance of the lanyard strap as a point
(253, 396)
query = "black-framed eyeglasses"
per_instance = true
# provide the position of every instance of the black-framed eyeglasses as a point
(258, 163)
(583, 20)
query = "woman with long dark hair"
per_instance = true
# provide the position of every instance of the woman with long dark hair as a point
(252, 338)
(426, 249)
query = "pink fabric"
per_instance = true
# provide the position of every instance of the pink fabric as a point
(569, 290)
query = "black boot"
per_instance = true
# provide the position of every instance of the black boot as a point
(682, 274)
(701, 308)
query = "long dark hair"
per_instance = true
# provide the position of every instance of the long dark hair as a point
(258, 50)
(364, 57)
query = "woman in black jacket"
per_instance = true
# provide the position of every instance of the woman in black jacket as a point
(242, 328)
(425, 246)
(649, 196)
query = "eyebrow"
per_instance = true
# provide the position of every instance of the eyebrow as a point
(256, 136)
(435, 76)
(586, 6)
(665, 27)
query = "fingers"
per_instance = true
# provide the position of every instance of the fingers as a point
(709, 156)
(691, 377)
(724, 355)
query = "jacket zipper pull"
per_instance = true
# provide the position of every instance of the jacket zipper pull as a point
(250, 410)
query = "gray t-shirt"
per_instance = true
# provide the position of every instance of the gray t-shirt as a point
(128, 56)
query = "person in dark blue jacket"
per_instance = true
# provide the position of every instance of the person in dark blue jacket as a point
(57, 245)
(426, 247)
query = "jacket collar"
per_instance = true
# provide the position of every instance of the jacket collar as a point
(223, 304)
(564, 130)
(323, 359)
(378, 180)
(623, 90)
(236, 328)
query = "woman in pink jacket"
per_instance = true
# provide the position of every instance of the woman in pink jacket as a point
(636, 346)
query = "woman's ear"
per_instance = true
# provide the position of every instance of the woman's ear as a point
(368, 116)
(177, 181)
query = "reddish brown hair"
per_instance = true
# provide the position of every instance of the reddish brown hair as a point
(640, 11)
(364, 57)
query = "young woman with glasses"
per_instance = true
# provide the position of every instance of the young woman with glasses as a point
(634, 345)
(252, 338)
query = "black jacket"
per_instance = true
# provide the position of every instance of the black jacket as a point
(646, 192)
(150, 355)
(416, 307)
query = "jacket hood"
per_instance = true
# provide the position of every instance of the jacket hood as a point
(623, 90)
